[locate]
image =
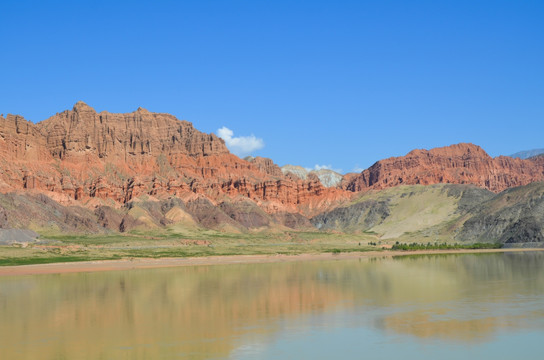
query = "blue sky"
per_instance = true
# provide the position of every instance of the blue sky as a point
(338, 83)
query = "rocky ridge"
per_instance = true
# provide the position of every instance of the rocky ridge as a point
(512, 217)
(84, 171)
(526, 154)
(83, 157)
(455, 164)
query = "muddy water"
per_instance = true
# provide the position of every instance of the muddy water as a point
(416, 307)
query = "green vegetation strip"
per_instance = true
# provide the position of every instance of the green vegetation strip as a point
(49, 260)
(445, 246)
(56, 248)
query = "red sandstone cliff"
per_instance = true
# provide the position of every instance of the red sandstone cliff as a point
(455, 164)
(21, 140)
(131, 137)
(83, 155)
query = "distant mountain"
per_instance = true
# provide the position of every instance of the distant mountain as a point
(527, 153)
(328, 178)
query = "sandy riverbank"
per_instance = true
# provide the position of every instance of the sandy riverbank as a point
(142, 263)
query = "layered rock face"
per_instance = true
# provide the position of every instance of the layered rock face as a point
(92, 158)
(21, 140)
(265, 165)
(128, 137)
(455, 164)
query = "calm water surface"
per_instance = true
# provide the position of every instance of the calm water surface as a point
(472, 306)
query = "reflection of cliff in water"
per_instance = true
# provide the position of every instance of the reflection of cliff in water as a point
(204, 311)
(465, 298)
(154, 313)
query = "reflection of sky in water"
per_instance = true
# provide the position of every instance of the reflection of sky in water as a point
(416, 307)
(409, 333)
(486, 323)
(365, 342)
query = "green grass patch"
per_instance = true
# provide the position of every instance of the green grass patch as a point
(55, 247)
(14, 261)
(444, 246)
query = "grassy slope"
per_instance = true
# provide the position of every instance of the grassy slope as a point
(416, 209)
(407, 213)
(423, 214)
(413, 209)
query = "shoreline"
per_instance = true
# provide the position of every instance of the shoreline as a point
(148, 263)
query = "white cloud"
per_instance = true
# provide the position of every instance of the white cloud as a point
(240, 145)
(326, 167)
